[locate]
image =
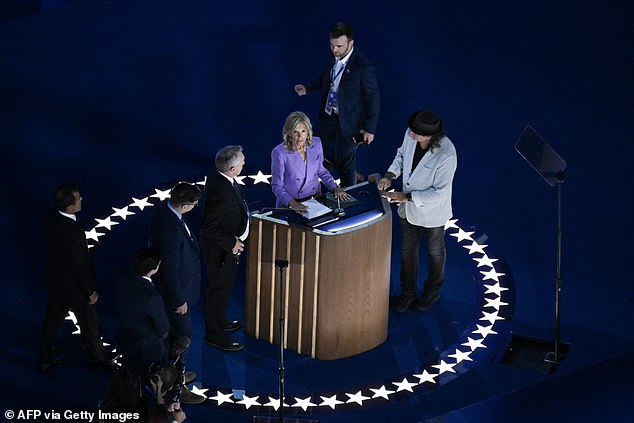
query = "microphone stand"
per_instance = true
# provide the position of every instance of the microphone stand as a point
(281, 264)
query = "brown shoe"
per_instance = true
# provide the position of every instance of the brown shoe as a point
(190, 377)
(188, 397)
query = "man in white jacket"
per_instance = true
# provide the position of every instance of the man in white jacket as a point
(427, 160)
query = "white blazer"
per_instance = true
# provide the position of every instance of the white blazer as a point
(430, 183)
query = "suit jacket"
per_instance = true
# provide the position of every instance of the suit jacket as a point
(224, 214)
(358, 99)
(143, 324)
(178, 278)
(292, 178)
(69, 269)
(430, 183)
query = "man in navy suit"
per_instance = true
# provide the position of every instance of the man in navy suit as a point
(71, 281)
(350, 103)
(178, 279)
(224, 229)
(143, 322)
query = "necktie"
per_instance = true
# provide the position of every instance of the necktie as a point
(239, 192)
(186, 227)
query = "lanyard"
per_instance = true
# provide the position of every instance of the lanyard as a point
(332, 82)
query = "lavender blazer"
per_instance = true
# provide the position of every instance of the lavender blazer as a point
(292, 178)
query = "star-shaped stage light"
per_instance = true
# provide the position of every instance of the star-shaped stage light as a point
(122, 213)
(496, 303)
(485, 261)
(462, 235)
(304, 403)
(461, 356)
(444, 367)
(141, 203)
(106, 223)
(161, 194)
(451, 223)
(240, 179)
(426, 377)
(222, 398)
(93, 234)
(495, 289)
(358, 398)
(196, 390)
(404, 385)
(71, 316)
(382, 392)
(273, 402)
(331, 402)
(249, 401)
(492, 274)
(491, 317)
(474, 343)
(485, 331)
(475, 248)
(260, 177)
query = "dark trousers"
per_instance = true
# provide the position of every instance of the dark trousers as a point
(222, 267)
(436, 253)
(180, 327)
(339, 151)
(57, 309)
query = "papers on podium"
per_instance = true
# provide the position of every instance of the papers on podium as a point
(315, 209)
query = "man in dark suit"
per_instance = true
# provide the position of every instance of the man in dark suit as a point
(350, 103)
(224, 229)
(71, 281)
(143, 324)
(178, 279)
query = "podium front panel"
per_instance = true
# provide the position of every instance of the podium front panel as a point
(336, 285)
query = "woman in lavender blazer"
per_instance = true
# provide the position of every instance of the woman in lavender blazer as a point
(297, 165)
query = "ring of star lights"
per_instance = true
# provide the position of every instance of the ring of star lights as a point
(496, 298)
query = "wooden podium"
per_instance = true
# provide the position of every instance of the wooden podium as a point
(337, 283)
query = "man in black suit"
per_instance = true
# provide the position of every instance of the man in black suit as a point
(71, 281)
(350, 103)
(143, 324)
(224, 229)
(178, 279)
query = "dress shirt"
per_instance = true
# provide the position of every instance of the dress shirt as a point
(68, 215)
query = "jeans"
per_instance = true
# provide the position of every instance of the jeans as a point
(436, 253)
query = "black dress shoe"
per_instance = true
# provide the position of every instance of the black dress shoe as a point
(232, 325)
(425, 302)
(224, 345)
(107, 360)
(402, 303)
(45, 366)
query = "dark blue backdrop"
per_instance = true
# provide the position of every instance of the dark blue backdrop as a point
(120, 96)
